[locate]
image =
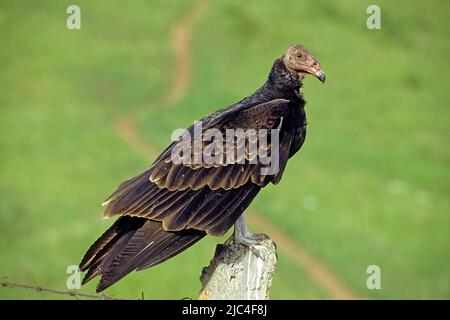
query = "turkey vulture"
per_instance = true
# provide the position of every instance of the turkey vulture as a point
(175, 203)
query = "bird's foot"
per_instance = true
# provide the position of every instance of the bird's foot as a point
(243, 236)
(251, 241)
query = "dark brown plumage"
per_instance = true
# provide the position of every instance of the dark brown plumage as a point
(171, 206)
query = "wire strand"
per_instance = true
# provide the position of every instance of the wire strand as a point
(72, 293)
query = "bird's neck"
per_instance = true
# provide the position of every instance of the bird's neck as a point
(281, 84)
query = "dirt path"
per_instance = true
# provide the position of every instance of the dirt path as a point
(181, 36)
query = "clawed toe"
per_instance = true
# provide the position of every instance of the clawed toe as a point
(243, 236)
(251, 242)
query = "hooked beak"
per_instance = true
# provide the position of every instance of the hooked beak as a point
(321, 76)
(313, 70)
(317, 72)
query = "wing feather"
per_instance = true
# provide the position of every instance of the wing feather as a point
(171, 205)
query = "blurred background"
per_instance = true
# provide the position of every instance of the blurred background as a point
(83, 110)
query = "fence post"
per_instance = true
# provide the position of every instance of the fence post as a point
(237, 273)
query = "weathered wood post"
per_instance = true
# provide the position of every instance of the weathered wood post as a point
(237, 273)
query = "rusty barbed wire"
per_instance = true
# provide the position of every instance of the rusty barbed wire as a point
(11, 284)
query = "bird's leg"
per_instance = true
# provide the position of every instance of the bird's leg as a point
(242, 235)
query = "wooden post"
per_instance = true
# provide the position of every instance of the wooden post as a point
(237, 273)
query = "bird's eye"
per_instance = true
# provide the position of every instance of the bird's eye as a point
(299, 55)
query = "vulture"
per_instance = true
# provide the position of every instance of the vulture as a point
(201, 184)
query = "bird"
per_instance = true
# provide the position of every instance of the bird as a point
(200, 184)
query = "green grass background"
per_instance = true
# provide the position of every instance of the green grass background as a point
(370, 186)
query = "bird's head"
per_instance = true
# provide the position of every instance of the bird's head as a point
(300, 61)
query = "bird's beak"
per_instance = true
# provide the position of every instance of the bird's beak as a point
(314, 70)
(317, 72)
(312, 66)
(321, 76)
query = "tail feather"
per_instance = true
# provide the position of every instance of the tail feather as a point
(178, 245)
(108, 239)
(133, 243)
